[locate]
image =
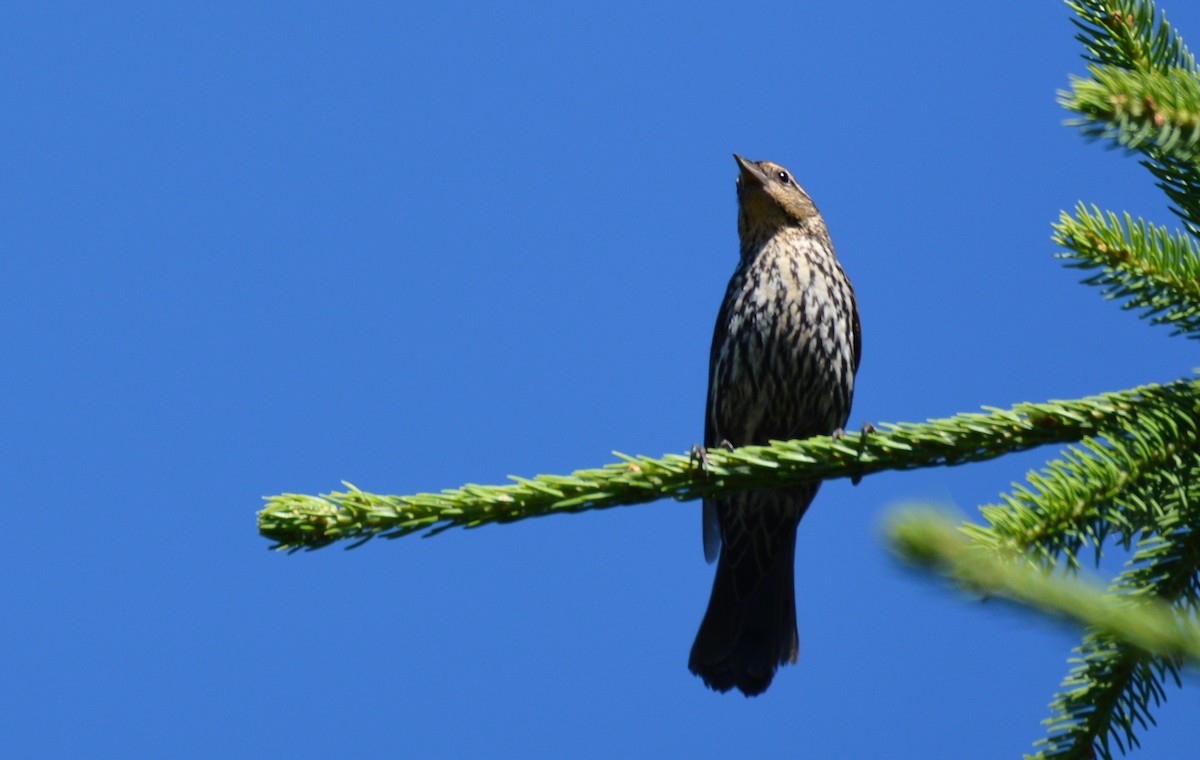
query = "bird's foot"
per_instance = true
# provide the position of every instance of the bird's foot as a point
(867, 429)
(699, 454)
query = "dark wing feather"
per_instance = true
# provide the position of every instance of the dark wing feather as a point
(711, 524)
(857, 327)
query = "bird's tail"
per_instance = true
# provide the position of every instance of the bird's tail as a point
(749, 629)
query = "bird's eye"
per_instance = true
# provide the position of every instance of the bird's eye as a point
(783, 176)
(738, 183)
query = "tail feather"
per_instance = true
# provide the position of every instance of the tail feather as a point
(749, 629)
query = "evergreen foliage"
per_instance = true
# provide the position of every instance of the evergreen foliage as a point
(1137, 489)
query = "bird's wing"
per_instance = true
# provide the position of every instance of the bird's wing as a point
(857, 327)
(712, 436)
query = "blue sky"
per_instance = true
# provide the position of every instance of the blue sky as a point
(255, 249)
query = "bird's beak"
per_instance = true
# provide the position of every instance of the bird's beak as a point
(751, 174)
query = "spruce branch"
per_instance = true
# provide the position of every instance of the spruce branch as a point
(1144, 94)
(1143, 485)
(935, 542)
(295, 521)
(1094, 489)
(1158, 272)
(1136, 640)
(1095, 704)
(1156, 112)
(1114, 684)
(1131, 34)
(1180, 180)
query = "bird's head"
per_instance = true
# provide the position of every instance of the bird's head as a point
(769, 199)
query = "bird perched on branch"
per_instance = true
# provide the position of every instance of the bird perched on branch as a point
(784, 355)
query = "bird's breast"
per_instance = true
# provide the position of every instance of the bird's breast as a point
(785, 369)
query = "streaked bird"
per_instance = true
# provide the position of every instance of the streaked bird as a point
(784, 355)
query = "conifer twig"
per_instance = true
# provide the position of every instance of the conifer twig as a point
(1156, 271)
(296, 521)
(930, 540)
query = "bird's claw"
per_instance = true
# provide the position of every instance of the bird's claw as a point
(867, 429)
(699, 454)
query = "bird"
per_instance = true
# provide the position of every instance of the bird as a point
(785, 352)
